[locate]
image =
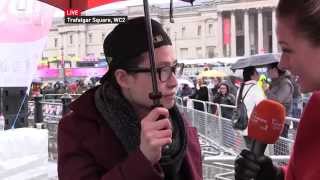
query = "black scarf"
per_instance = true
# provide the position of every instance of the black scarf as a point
(120, 116)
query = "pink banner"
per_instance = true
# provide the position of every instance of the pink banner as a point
(48, 73)
(85, 72)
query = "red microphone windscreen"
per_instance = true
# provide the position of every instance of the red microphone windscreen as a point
(266, 121)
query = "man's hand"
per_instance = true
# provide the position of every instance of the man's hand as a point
(155, 133)
(248, 166)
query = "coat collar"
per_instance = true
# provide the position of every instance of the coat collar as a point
(85, 106)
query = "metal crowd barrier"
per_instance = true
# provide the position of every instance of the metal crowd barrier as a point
(30, 110)
(52, 113)
(49, 113)
(220, 143)
(57, 97)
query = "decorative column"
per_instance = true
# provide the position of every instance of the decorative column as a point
(219, 35)
(78, 46)
(274, 34)
(246, 33)
(233, 34)
(260, 32)
(83, 41)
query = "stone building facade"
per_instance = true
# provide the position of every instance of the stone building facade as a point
(208, 29)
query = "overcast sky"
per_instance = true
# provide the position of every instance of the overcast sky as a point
(121, 5)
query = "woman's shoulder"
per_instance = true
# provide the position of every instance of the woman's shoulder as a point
(250, 83)
(231, 96)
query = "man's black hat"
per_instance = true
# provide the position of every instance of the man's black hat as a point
(129, 40)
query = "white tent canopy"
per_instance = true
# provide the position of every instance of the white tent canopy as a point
(225, 60)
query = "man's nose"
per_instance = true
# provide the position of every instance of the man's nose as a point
(172, 81)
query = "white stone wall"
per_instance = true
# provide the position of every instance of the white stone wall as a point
(187, 18)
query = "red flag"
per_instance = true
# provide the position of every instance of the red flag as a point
(226, 31)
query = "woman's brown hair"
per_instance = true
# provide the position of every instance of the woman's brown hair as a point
(305, 15)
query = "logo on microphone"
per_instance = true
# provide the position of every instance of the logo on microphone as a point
(276, 124)
(263, 123)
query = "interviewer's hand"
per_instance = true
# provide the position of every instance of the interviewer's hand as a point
(248, 166)
(155, 133)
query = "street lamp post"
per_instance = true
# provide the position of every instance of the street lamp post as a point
(63, 65)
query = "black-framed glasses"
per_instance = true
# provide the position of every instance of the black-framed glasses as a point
(164, 73)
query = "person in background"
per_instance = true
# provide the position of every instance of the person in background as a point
(81, 87)
(113, 131)
(262, 82)
(201, 94)
(252, 95)
(230, 81)
(281, 90)
(186, 91)
(298, 23)
(73, 88)
(223, 96)
(297, 104)
(215, 85)
(59, 88)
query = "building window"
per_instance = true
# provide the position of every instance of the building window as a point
(70, 39)
(269, 22)
(199, 31)
(210, 29)
(90, 37)
(199, 52)
(210, 52)
(183, 31)
(239, 24)
(184, 53)
(55, 42)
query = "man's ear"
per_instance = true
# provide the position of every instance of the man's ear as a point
(122, 77)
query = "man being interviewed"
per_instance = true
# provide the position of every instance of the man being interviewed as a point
(113, 133)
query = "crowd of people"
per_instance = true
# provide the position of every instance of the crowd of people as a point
(78, 86)
(274, 84)
(124, 129)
